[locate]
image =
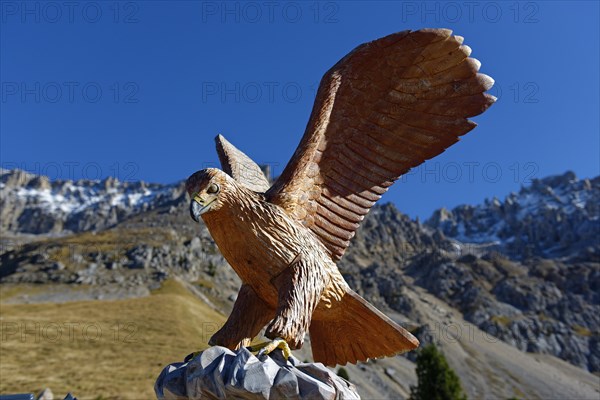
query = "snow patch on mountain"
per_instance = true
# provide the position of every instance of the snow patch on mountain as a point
(34, 204)
(552, 214)
(78, 198)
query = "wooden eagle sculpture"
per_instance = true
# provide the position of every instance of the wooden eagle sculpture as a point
(386, 107)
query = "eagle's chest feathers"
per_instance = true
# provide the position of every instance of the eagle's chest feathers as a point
(259, 241)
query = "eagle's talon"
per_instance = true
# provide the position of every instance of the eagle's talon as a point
(261, 354)
(268, 347)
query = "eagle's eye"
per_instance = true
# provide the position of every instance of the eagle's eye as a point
(212, 188)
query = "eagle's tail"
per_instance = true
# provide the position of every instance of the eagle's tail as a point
(356, 331)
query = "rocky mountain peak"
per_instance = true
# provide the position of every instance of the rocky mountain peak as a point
(35, 205)
(14, 177)
(561, 181)
(111, 182)
(554, 216)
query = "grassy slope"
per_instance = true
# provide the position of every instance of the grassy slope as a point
(120, 363)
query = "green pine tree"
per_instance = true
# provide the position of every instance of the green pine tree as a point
(342, 373)
(436, 380)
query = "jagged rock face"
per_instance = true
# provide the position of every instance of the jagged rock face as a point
(384, 244)
(32, 204)
(557, 216)
(541, 304)
(509, 301)
(546, 299)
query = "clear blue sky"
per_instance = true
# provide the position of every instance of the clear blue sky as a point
(139, 89)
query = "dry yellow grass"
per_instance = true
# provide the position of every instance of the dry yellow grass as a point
(101, 349)
(501, 319)
(582, 330)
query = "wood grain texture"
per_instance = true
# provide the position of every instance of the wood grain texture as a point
(241, 167)
(345, 327)
(386, 107)
(249, 315)
(300, 288)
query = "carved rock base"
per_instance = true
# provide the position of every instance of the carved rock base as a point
(219, 373)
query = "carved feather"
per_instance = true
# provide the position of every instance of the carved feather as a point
(241, 167)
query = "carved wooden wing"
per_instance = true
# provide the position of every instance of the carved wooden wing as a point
(241, 167)
(386, 107)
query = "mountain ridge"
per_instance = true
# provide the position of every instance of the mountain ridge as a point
(539, 297)
(550, 218)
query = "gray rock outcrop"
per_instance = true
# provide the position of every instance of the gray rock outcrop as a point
(219, 373)
(32, 204)
(554, 217)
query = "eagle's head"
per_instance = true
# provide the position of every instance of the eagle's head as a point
(207, 189)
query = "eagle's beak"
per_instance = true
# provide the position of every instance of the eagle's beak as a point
(195, 210)
(198, 206)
